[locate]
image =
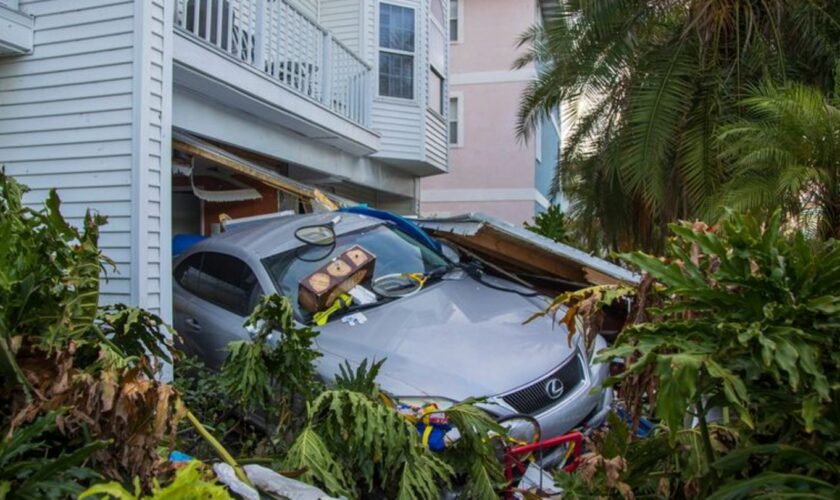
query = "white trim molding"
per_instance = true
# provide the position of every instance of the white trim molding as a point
(483, 195)
(483, 77)
(16, 32)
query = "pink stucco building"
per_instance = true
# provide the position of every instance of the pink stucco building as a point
(490, 169)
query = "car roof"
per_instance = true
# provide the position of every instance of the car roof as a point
(277, 235)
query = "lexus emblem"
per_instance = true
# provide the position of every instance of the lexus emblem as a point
(554, 388)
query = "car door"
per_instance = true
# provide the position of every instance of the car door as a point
(184, 289)
(225, 293)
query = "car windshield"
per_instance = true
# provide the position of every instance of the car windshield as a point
(395, 252)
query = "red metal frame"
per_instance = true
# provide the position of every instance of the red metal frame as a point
(512, 454)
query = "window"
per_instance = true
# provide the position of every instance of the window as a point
(188, 272)
(454, 123)
(437, 91)
(453, 21)
(222, 280)
(396, 51)
(396, 253)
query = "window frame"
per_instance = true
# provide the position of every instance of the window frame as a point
(380, 49)
(441, 109)
(458, 115)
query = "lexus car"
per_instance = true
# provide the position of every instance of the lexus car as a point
(447, 328)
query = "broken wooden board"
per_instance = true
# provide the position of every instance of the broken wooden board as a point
(521, 250)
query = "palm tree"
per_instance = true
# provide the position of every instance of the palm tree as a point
(652, 81)
(786, 154)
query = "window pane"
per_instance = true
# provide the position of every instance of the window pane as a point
(453, 20)
(228, 282)
(396, 27)
(396, 75)
(188, 272)
(453, 120)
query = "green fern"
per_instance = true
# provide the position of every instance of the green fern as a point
(362, 380)
(474, 454)
(310, 453)
(375, 442)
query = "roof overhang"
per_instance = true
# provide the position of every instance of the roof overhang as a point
(16, 32)
(195, 146)
(514, 247)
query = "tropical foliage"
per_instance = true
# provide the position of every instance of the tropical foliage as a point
(356, 444)
(191, 482)
(733, 348)
(552, 224)
(80, 399)
(649, 84)
(76, 380)
(785, 154)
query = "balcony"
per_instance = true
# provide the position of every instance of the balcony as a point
(284, 51)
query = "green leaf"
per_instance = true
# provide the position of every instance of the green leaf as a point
(774, 483)
(811, 410)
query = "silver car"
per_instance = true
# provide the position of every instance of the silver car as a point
(460, 334)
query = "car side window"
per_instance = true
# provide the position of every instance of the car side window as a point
(227, 282)
(188, 272)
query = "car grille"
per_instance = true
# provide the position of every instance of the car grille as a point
(535, 398)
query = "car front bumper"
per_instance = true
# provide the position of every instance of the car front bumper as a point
(586, 406)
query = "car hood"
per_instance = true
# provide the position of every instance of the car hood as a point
(456, 339)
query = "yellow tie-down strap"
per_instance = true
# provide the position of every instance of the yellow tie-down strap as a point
(321, 318)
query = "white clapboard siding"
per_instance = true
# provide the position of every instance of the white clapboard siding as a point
(152, 159)
(84, 113)
(436, 140)
(400, 126)
(344, 20)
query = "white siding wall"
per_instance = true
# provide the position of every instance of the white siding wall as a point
(65, 118)
(437, 146)
(152, 129)
(344, 19)
(86, 113)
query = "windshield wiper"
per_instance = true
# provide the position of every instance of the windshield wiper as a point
(360, 307)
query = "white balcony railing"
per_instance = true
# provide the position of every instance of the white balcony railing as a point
(276, 38)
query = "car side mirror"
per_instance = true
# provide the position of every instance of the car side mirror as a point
(322, 235)
(450, 252)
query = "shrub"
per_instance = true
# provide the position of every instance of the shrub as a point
(733, 347)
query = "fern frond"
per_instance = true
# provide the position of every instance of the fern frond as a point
(309, 452)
